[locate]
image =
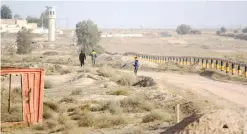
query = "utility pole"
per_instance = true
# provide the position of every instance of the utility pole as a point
(42, 22)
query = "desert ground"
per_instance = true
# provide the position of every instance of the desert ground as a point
(110, 99)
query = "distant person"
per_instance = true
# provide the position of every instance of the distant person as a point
(93, 56)
(136, 65)
(82, 58)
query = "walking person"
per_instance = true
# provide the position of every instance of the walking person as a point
(136, 65)
(93, 56)
(82, 58)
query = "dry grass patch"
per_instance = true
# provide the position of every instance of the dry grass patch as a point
(76, 91)
(68, 100)
(153, 116)
(50, 53)
(114, 107)
(137, 103)
(104, 120)
(52, 105)
(15, 113)
(107, 71)
(127, 79)
(65, 71)
(122, 91)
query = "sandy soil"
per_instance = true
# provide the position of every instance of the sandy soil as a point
(225, 94)
(230, 91)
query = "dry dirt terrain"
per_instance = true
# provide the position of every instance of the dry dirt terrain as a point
(110, 99)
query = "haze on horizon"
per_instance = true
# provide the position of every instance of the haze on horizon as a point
(149, 14)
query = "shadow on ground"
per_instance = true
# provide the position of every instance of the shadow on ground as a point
(181, 125)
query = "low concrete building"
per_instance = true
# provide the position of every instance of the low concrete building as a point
(15, 25)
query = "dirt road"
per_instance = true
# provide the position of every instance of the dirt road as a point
(232, 92)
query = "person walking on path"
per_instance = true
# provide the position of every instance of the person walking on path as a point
(82, 58)
(93, 56)
(136, 65)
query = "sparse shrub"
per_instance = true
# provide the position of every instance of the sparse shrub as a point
(87, 120)
(67, 100)
(47, 114)
(183, 29)
(114, 107)
(48, 84)
(97, 107)
(24, 42)
(136, 103)
(66, 71)
(222, 29)
(123, 91)
(127, 79)
(108, 120)
(165, 34)
(50, 53)
(51, 105)
(218, 32)
(244, 30)
(106, 71)
(153, 116)
(62, 119)
(101, 121)
(195, 32)
(38, 127)
(76, 91)
(50, 123)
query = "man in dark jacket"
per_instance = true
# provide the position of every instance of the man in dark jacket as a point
(82, 57)
(136, 65)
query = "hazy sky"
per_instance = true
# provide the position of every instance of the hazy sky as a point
(150, 14)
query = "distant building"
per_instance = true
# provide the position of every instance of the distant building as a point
(121, 35)
(15, 25)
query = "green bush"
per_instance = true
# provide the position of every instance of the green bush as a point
(183, 29)
(222, 29)
(244, 30)
(24, 42)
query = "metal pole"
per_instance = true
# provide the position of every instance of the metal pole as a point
(9, 92)
(178, 109)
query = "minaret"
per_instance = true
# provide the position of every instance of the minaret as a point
(52, 23)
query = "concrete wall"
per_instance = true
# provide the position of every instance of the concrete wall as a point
(8, 21)
(14, 25)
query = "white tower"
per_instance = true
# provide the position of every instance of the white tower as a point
(52, 23)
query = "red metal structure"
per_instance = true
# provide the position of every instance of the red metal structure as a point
(32, 85)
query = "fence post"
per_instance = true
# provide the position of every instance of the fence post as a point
(207, 64)
(212, 63)
(9, 92)
(239, 70)
(188, 61)
(181, 60)
(227, 67)
(177, 111)
(245, 70)
(217, 65)
(233, 68)
(222, 65)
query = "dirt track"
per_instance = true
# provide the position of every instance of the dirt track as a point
(232, 92)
